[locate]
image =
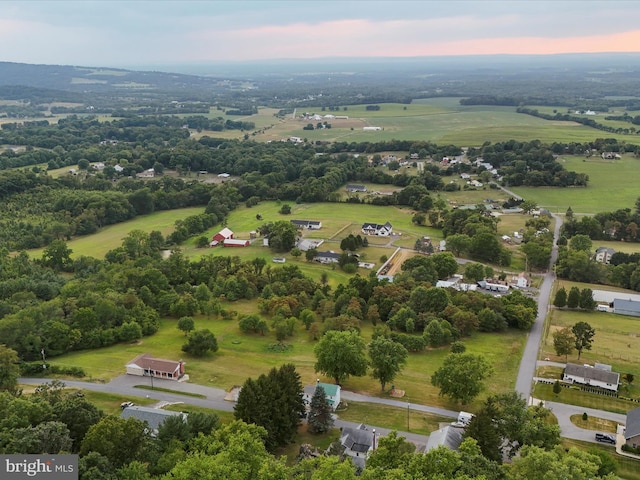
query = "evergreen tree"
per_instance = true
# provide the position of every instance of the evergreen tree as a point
(573, 300)
(560, 299)
(586, 299)
(483, 430)
(273, 401)
(320, 419)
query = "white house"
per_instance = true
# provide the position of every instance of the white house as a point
(604, 254)
(377, 229)
(599, 375)
(331, 392)
(150, 173)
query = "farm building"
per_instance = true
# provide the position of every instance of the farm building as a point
(235, 242)
(351, 187)
(371, 129)
(331, 392)
(599, 375)
(154, 417)
(146, 365)
(632, 428)
(150, 173)
(604, 254)
(377, 229)
(308, 224)
(327, 257)
(626, 307)
(309, 244)
(221, 236)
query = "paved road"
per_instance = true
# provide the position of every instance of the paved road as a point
(125, 385)
(530, 354)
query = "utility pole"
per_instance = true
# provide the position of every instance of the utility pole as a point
(408, 410)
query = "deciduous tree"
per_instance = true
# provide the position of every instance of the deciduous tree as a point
(387, 359)
(200, 342)
(461, 376)
(340, 354)
(564, 341)
(583, 333)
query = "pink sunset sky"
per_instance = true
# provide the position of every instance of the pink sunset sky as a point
(138, 33)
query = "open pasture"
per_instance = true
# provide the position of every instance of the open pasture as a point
(613, 184)
(616, 342)
(241, 356)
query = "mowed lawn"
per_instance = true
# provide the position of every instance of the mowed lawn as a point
(241, 356)
(616, 341)
(613, 184)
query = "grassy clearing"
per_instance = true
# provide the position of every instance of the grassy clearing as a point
(225, 417)
(392, 418)
(595, 423)
(109, 403)
(242, 356)
(628, 468)
(110, 237)
(616, 341)
(583, 399)
(612, 185)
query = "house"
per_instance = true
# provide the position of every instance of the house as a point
(221, 236)
(632, 429)
(327, 257)
(599, 375)
(118, 168)
(295, 139)
(357, 443)
(150, 173)
(235, 242)
(308, 224)
(449, 436)
(331, 392)
(521, 280)
(493, 287)
(146, 365)
(474, 183)
(414, 156)
(465, 176)
(154, 417)
(610, 156)
(604, 254)
(626, 307)
(377, 229)
(351, 187)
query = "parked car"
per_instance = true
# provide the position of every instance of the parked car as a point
(606, 438)
(124, 405)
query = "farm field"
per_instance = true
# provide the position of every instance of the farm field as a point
(441, 120)
(613, 184)
(616, 342)
(242, 356)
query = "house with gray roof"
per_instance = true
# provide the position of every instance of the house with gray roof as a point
(449, 436)
(604, 254)
(357, 443)
(626, 307)
(154, 417)
(632, 429)
(599, 375)
(327, 257)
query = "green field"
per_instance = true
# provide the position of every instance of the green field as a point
(242, 356)
(628, 468)
(110, 237)
(613, 184)
(440, 120)
(616, 341)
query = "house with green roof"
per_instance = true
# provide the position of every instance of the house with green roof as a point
(331, 391)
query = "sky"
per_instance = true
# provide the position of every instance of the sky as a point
(137, 33)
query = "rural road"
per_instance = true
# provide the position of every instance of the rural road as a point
(530, 354)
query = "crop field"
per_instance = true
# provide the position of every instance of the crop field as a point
(616, 342)
(613, 184)
(241, 356)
